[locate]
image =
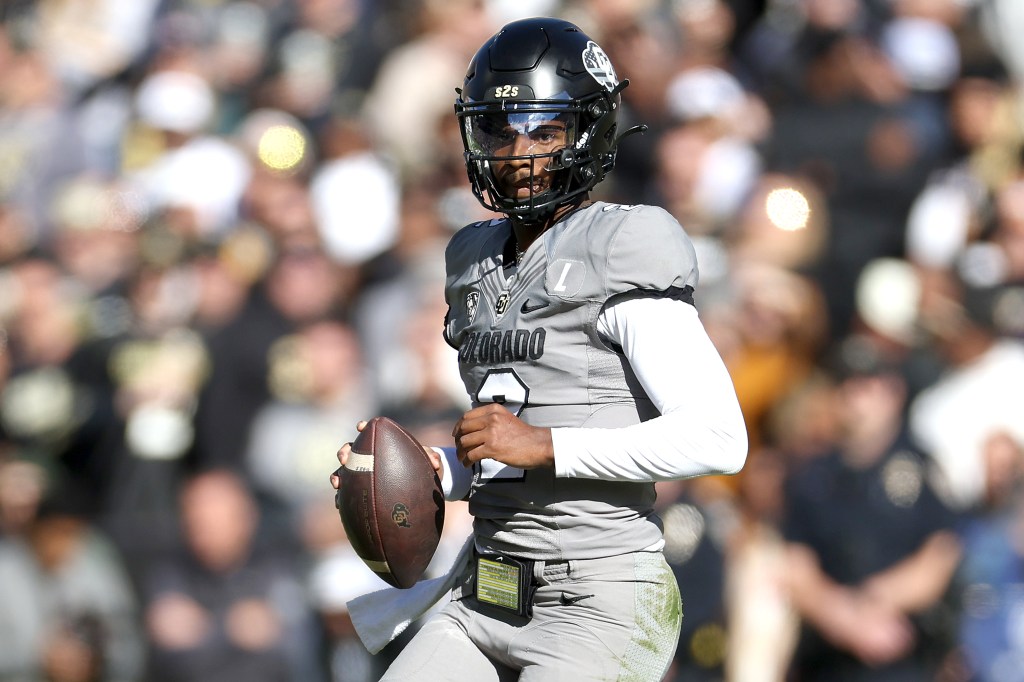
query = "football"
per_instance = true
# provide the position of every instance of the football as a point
(391, 502)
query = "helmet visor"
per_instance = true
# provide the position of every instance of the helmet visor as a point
(519, 133)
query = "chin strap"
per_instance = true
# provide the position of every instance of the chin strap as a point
(641, 128)
(609, 161)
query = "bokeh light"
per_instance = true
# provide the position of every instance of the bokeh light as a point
(708, 645)
(788, 209)
(282, 148)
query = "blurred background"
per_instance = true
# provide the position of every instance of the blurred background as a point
(222, 226)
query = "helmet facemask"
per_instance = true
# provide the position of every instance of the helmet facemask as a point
(551, 139)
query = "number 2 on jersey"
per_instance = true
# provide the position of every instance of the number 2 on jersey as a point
(502, 386)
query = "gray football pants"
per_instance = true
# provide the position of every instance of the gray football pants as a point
(627, 631)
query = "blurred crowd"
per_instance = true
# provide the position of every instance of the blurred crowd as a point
(222, 226)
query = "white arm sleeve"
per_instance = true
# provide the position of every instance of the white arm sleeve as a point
(701, 429)
(455, 478)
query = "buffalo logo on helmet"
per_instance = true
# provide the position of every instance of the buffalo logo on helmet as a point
(600, 66)
(400, 515)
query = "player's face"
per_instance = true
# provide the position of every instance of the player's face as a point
(513, 142)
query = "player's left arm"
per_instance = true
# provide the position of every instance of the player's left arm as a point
(700, 431)
(701, 428)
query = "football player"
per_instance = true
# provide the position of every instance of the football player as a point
(591, 377)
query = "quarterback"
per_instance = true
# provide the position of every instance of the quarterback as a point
(591, 378)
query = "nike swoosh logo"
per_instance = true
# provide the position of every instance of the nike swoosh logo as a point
(527, 308)
(566, 600)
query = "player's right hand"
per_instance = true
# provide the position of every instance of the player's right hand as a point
(346, 449)
(490, 431)
(343, 453)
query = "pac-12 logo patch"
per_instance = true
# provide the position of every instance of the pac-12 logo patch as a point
(599, 66)
(472, 301)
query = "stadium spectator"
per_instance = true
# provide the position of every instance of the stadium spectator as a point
(301, 286)
(317, 381)
(68, 609)
(226, 606)
(990, 576)
(978, 395)
(872, 549)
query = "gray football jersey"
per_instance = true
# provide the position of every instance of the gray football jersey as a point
(527, 338)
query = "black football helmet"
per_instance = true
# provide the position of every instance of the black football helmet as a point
(530, 74)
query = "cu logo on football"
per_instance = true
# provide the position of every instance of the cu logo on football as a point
(400, 515)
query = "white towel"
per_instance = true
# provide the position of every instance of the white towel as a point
(381, 616)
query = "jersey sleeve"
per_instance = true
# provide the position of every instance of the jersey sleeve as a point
(650, 252)
(461, 254)
(462, 258)
(456, 478)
